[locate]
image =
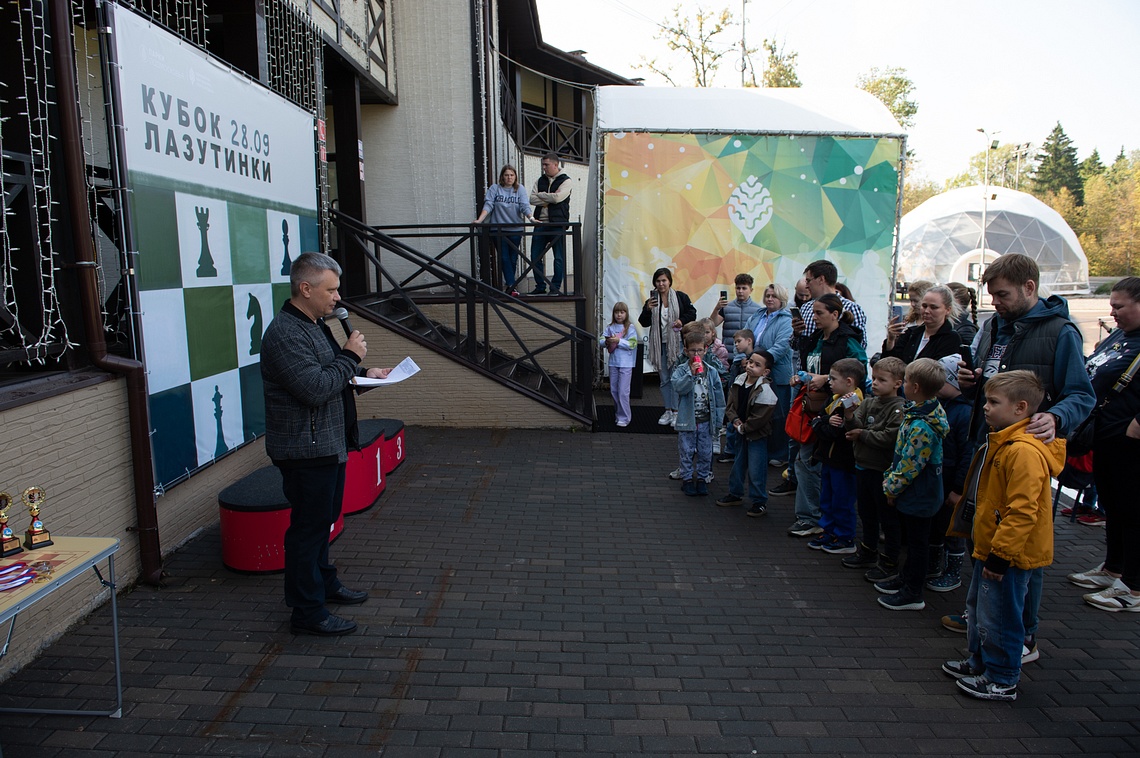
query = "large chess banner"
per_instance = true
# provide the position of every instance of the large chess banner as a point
(222, 175)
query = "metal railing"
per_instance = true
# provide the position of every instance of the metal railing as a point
(473, 248)
(538, 132)
(541, 133)
(424, 298)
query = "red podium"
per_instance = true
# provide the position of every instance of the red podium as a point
(393, 452)
(254, 515)
(364, 478)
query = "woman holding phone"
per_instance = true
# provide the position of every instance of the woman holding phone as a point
(934, 336)
(664, 313)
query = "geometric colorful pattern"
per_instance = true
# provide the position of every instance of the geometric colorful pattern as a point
(711, 206)
(213, 271)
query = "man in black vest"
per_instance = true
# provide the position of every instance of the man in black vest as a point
(551, 200)
(1033, 333)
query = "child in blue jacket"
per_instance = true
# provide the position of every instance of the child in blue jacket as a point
(700, 409)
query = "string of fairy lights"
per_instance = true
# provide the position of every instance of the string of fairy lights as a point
(7, 330)
(27, 102)
(187, 18)
(293, 66)
(32, 103)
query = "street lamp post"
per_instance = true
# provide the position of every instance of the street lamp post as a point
(743, 42)
(990, 145)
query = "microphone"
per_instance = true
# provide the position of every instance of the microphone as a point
(342, 315)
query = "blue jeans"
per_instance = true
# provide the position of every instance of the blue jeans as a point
(807, 493)
(837, 502)
(751, 460)
(995, 631)
(731, 440)
(793, 454)
(778, 441)
(509, 246)
(664, 371)
(697, 443)
(555, 237)
(1031, 615)
(314, 496)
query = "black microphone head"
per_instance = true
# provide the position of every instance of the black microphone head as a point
(341, 314)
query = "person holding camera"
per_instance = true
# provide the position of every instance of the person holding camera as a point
(664, 313)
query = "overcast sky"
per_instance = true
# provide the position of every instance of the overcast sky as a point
(1011, 66)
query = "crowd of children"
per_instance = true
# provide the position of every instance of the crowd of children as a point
(897, 463)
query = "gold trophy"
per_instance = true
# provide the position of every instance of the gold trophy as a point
(9, 542)
(36, 536)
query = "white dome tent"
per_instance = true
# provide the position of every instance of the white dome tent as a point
(941, 239)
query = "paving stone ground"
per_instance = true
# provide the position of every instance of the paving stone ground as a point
(554, 594)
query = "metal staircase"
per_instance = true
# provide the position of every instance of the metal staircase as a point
(467, 320)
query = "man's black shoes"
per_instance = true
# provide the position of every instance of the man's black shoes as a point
(345, 596)
(332, 626)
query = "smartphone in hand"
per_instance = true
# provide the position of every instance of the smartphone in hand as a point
(796, 312)
(724, 294)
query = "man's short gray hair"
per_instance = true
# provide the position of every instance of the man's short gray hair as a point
(308, 268)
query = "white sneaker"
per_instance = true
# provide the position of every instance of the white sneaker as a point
(1114, 599)
(673, 419)
(675, 474)
(1093, 579)
(666, 417)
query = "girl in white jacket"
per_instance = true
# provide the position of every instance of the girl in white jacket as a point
(620, 341)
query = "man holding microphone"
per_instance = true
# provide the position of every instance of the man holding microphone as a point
(310, 422)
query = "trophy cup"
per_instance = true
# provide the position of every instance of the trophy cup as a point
(9, 542)
(36, 536)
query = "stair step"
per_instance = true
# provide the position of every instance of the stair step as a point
(397, 311)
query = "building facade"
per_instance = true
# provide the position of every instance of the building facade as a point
(418, 105)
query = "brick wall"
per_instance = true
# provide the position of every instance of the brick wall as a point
(77, 447)
(444, 393)
(532, 334)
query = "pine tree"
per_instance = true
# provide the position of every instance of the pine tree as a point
(1057, 167)
(1091, 167)
(1120, 168)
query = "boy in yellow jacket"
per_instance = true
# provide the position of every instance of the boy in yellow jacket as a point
(1013, 534)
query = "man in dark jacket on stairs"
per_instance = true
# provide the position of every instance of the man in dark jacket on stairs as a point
(551, 200)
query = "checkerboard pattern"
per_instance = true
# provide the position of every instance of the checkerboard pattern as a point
(213, 271)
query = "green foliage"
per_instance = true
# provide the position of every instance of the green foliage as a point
(1091, 166)
(699, 42)
(894, 88)
(780, 68)
(1057, 167)
(1110, 219)
(1006, 169)
(916, 190)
